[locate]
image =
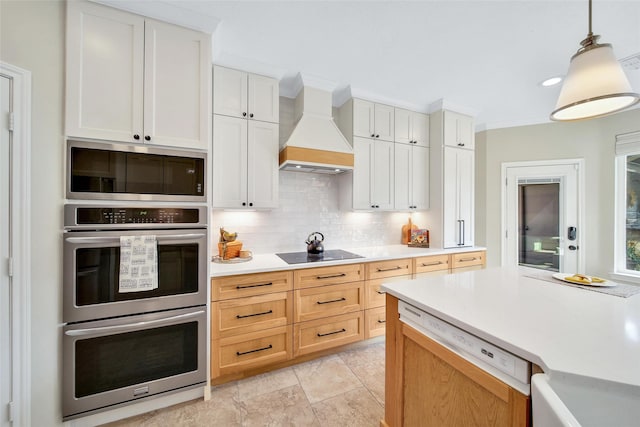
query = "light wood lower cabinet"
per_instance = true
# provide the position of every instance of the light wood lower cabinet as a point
(468, 259)
(321, 334)
(426, 264)
(422, 377)
(247, 351)
(323, 301)
(321, 276)
(375, 321)
(246, 285)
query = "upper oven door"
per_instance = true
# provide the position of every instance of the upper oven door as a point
(92, 272)
(103, 171)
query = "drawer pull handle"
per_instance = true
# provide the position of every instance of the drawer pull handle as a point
(427, 264)
(331, 276)
(382, 321)
(380, 270)
(242, 353)
(332, 333)
(468, 259)
(254, 286)
(381, 293)
(330, 301)
(242, 316)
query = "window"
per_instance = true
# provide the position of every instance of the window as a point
(627, 251)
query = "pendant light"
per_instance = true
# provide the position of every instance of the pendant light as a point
(596, 84)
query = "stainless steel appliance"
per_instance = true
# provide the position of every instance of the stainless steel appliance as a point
(118, 346)
(103, 171)
(327, 255)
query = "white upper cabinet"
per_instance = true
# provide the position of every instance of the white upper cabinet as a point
(133, 79)
(373, 180)
(411, 172)
(458, 130)
(371, 120)
(411, 127)
(241, 94)
(245, 163)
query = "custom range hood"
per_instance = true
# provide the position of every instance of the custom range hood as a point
(316, 144)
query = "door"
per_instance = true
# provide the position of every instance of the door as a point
(420, 127)
(363, 118)
(465, 196)
(177, 86)
(403, 129)
(382, 177)
(529, 215)
(6, 348)
(362, 172)
(383, 122)
(262, 158)
(264, 99)
(419, 177)
(402, 176)
(229, 162)
(230, 89)
(105, 73)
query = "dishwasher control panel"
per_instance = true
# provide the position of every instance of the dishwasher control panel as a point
(466, 342)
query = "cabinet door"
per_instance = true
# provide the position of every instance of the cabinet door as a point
(229, 162)
(458, 130)
(177, 86)
(419, 177)
(465, 163)
(262, 165)
(362, 173)
(230, 92)
(450, 198)
(105, 70)
(363, 116)
(402, 131)
(402, 176)
(420, 128)
(264, 99)
(384, 122)
(382, 176)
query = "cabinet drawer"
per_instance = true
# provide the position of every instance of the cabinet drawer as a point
(250, 314)
(311, 277)
(467, 259)
(373, 296)
(314, 303)
(235, 354)
(425, 264)
(322, 334)
(382, 269)
(374, 322)
(250, 284)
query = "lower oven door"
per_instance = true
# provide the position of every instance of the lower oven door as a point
(92, 273)
(111, 362)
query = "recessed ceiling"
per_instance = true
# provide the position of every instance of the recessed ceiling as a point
(484, 57)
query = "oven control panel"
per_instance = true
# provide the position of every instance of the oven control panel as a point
(118, 216)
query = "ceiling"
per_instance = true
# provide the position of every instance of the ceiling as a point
(486, 58)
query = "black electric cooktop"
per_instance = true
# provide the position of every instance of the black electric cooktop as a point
(330, 255)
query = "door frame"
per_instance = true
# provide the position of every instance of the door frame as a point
(20, 246)
(579, 165)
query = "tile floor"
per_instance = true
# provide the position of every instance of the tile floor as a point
(344, 389)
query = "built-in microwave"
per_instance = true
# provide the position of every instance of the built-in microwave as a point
(110, 171)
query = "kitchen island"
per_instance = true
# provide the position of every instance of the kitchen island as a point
(566, 331)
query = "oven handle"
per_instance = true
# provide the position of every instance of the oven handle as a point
(117, 238)
(130, 326)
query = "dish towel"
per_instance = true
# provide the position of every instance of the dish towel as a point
(138, 263)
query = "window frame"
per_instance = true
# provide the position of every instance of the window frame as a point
(626, 145)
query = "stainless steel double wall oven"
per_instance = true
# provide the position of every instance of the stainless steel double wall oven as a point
(118, 346)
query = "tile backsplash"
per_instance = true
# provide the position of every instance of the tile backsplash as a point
(308, 203)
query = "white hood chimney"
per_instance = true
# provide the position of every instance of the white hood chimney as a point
(316, 144)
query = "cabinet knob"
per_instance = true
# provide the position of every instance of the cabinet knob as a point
(244, 114)
(136, 137)
(373, 135)
(251, 115)
(147, 138)
(460, 144)
(251, 204)
(377, 136)
(244, 203)
(377, 206)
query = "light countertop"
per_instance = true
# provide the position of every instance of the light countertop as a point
(563, 329)
(262, 263)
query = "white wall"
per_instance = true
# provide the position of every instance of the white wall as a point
(32, 37)
(591, 140)
(308, 203)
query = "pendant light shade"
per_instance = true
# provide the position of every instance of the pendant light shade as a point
(595, 84)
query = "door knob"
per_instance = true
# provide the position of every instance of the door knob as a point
(572, 247)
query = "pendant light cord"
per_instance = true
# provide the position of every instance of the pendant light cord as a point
(590, 30)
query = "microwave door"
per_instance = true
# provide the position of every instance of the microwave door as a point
(183, 176)
(144, 174)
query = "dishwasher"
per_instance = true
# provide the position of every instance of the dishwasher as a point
(460, 393)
